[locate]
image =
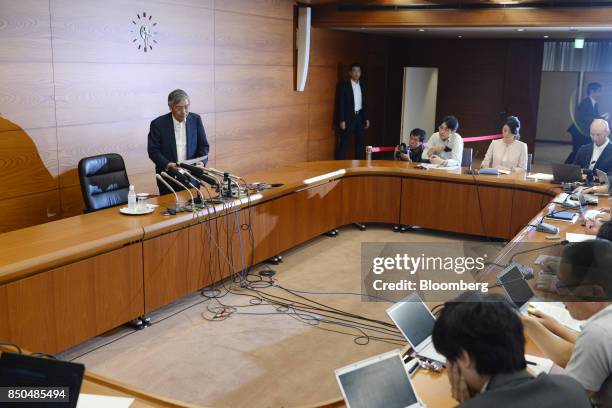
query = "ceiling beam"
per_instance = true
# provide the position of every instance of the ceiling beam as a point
(331, 16)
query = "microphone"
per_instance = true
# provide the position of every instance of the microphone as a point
(169, 187)
(175, 181)
(177, 175)
(200, 174)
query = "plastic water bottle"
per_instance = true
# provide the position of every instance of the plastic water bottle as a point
(132, 199)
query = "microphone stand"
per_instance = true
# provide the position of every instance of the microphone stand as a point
(172, 179)
(177, 204)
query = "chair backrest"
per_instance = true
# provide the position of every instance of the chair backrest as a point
(529, 162)
(104, 181)
(466, 159)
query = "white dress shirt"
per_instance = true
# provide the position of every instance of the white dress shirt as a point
(597, 151)
(454, 142)
(357, 95)
(180, 134)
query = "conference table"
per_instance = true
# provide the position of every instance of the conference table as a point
(67, 281)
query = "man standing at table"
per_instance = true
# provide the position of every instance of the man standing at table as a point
(352, 113)
(176, 136)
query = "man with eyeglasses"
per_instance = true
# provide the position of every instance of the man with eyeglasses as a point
(584, 283)
(598, 154)
(445, 147)
(176, 136)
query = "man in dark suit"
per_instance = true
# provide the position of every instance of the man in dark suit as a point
(176, 136)
(482, 338)
(598, 154)
(352, 113)
(586, 112)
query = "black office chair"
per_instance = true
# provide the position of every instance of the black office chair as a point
(529, 162)
(104, 181)
(466, 159)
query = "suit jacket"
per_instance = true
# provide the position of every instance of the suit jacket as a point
(161, 145)
(346, 102)
(585, 114)
(521, 389)
(604, 163)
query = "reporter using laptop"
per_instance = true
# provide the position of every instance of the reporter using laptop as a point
(585, 283)
(507, 153)
(445, 147)
(482, 338)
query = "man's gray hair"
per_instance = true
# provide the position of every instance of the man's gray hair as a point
(176, 96)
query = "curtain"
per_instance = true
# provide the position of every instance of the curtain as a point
(596, 56)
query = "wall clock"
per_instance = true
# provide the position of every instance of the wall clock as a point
(144, 32)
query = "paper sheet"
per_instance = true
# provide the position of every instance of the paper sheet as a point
(574, 237)
(103, 401)
(540, 176)
(543, 365)
(558, 311)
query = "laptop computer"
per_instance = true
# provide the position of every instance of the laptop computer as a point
(19, 370)
(378, 382)
(516, 287)
(566, 173)
(414, 320)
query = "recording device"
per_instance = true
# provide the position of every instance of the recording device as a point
(589, 176)
(547, 228)
(401, 148)
(447, 149)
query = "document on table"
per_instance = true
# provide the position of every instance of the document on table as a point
(540, 176)
(103, 401)
(574, 237)
(542, 365)
(430, 166)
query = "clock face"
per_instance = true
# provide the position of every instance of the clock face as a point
(144, 32)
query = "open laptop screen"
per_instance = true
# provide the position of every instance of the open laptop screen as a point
(516, 286)
(413, 318)
(379, 382)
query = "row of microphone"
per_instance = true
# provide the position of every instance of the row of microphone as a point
(185, 176)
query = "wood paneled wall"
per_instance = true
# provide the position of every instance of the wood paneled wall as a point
(479, 81)
(73, 84)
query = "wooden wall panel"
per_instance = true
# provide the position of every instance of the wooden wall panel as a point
(479, 82)
(247, 87)
(27, 94)
(246, 39)
(268, 8)
(249, 140)
(25, 31)
(101, 32)
(102, 93)
(75, 82)
(86, 298)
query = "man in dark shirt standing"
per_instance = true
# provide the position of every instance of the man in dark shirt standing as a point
(586, 112)
(352, 114)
